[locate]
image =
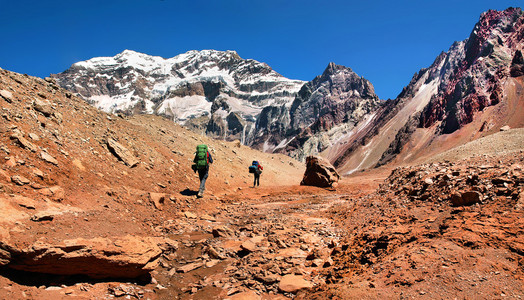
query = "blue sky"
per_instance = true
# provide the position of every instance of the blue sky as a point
(384, 41)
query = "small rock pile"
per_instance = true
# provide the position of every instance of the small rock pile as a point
(460, 184)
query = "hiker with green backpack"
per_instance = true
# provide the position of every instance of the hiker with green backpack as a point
(201, 164)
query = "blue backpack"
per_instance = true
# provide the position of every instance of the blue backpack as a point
(254, 167)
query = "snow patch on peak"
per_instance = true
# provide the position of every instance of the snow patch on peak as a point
(127, 58)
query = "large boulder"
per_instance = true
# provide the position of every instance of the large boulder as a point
(466, 198)
(319, 172)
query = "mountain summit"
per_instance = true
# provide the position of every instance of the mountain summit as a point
(226, 97)
(470, 91)
(324, 108)
(215, 91)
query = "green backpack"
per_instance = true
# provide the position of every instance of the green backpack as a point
(201, 157)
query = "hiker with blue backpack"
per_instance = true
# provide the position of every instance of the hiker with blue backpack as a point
(201, 164)
(256, 169)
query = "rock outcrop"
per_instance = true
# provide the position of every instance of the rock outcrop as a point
(122, 153)
(324, 109)
(319, 172)
(127, 257)
(293, 283)
(476, 69)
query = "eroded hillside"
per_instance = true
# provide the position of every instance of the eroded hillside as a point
(87, 193)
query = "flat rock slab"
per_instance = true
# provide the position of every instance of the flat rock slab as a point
(190, 215)
(122, 153)
(43, 107)
(6, 95)
(55, 192)
(293, 283)
(248, 246)
(223, 231)
(23, 142)
(249, 295)
(158, 199)
(190, 267)
(127, 257)
(48, 158)
(20, 180)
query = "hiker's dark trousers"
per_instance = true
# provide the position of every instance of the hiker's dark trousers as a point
(257, 179)
(202, 174)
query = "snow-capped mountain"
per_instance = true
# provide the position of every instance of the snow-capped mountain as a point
(214, 91)
(228, 97)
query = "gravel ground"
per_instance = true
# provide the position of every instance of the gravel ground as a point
(500, 143)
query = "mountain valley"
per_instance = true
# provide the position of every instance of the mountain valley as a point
(99, 201)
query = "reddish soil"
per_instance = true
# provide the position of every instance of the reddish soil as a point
(440, 230)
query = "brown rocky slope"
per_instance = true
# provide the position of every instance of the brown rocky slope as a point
(437, 231)
(84, 192)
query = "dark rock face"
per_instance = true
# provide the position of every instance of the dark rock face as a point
(476, 69)
(338, 96)
(331, 96)
(216, 127)
(319, 172)
(517, 65)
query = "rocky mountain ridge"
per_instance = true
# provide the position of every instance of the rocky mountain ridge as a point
(227, 97)
(323, 110)
(446, 98)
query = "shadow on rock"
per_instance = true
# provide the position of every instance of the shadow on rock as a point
(47, 280)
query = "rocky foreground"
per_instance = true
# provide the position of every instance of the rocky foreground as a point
(442, 230)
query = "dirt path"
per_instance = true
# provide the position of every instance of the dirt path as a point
(255, 239)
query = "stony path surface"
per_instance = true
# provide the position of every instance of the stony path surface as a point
(271, 247)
